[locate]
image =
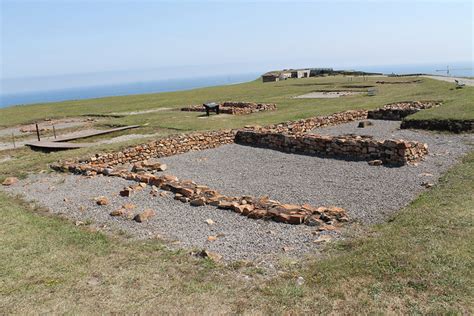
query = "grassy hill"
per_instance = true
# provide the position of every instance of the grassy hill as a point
(458, 103)
(421, 261)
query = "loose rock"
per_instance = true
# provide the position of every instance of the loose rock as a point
(144, 216)
(10, 181)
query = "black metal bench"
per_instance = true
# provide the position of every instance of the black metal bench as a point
(214, 107)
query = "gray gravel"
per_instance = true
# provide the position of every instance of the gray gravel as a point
(180, 224)
(370, 194)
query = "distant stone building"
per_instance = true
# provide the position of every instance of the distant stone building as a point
(273, 76)
(300, 73)
(270, 77)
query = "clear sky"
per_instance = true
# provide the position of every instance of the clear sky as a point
(49, 38)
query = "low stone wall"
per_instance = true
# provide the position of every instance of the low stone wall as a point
(235, 108)
(456, 126)
(178, 144)
(168, 146)
(305, 125)
(398, 152)
(188, 191)
(397, 111)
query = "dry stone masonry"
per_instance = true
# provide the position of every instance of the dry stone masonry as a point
(400, 110)
(235, 108)
(187, 191)
(456, 126)
(398, 152)
(289, 137)
(169, 146)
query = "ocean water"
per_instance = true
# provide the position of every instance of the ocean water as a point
(155, 86)
(122, 89)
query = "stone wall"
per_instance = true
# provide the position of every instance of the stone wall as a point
(351, 147)
(178, 144)
(168, 146)
(456, 126)
(235, 108)
(305, 125)
(187, 191)
(397, 111)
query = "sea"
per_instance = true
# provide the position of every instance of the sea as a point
(179, 84)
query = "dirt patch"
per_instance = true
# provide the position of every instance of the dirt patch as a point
(328, 94)
(139, 112)
(47, 125)
(308, 84)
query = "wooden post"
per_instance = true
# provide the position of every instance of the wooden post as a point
(54, 132)
(38, 132)
(13, 137)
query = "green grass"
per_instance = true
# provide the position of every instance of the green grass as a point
(419, 262)
(458, 103)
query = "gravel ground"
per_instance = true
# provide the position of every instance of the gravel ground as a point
(239, 238)
(370, 194)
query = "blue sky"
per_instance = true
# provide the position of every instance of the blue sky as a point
(138, 39)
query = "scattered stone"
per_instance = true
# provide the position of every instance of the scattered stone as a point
(322, 239)
(211, 238)
(10, 181)
(424, 174)
(427, 184)
(314, 220)
(144, 216)
(108, 171)
(208, 254)
(123, 213)
(210, 221)
(198, 202)
(327, 228)
(126, 192)
(376, 162)
(364, 124)
(128, 206)
(300, 281)
(102, 200)
(163, 193)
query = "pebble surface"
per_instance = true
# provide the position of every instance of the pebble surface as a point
(369, 193)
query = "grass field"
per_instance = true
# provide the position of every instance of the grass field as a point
(421, 261)
(456, 103)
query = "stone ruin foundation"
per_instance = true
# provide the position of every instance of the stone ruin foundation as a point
(288, 136)
(235, 108)
(400, 110)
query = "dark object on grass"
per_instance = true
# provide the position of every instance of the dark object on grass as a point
(211, 107)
